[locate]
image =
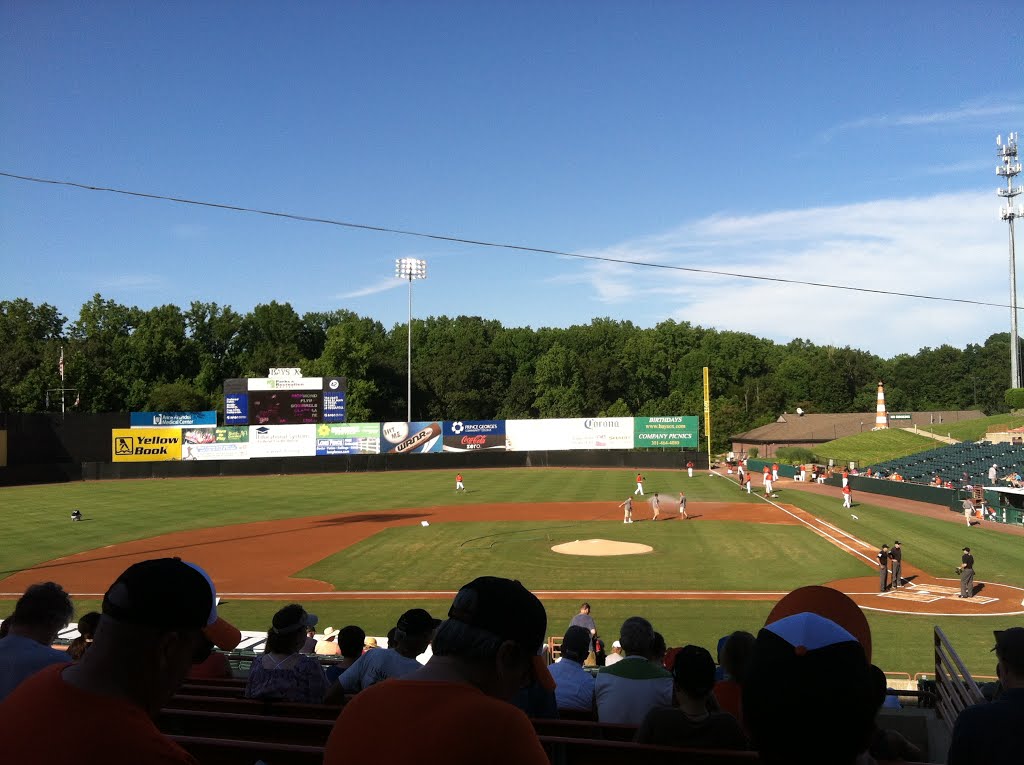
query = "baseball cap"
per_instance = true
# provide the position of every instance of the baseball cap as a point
(576, 641)
(292, 618)
(169, 594)
(896, 542)
(967, 549)
(505, 608)
(694, 670)
(829, 604)
(616, 644)
(416, 621)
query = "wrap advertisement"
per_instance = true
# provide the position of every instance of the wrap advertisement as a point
(282, 441)
(666, 432)
(473, 435)
(410, 437)
(145, 444)
(333, 407)
(229, 443)
(566, 434)
(349, 438)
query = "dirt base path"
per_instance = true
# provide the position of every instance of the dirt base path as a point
(258, 560)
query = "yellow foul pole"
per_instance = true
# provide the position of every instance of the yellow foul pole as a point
(707, 412)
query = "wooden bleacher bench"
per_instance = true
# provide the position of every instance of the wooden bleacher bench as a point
(253, 706)
(275, 729)
(222, 751)
(583, 751)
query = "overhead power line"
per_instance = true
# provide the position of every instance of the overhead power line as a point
(496, 245)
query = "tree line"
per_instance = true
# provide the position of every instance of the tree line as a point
(121, 358)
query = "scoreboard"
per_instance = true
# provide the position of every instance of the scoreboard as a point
(284, 400)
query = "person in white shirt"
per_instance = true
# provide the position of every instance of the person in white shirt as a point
(413, 633)
(574, 687)
(615, 655)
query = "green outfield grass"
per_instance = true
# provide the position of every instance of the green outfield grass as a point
(36, 527)
(873, 447)
(686, 556)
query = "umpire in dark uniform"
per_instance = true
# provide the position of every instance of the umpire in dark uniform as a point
(883, 568)
(896, 556)
(966, 569)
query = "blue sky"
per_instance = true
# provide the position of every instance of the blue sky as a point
(849, 143)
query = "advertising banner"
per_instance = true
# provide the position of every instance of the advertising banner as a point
(349, 438)
(282, 441)
(666, 432)
(334, 407)
(171, 419)
(229, 443)
(145, 444)
(286, 383)
(473, 435)
(236, 409)
(566, 434)
(410, 437)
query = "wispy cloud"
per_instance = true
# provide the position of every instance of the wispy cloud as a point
(381, 286)
(131, 282)
(949, 245)
(960, 114)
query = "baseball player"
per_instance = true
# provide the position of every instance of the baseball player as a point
(656, 505)
(847, 496)
(459, 485)
(689, 468)
(639, 485)
(627, 510)
(682, 506)
(746, 481)
(767, 484)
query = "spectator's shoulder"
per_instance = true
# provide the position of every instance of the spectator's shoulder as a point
(635, 669)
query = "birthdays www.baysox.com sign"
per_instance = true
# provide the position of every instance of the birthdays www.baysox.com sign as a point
(145, 444)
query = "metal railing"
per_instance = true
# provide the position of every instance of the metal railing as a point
(955, 689)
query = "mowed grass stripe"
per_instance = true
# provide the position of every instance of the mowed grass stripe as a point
(35, 519)
(716, 555)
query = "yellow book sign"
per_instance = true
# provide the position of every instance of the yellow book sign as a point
(145, 444)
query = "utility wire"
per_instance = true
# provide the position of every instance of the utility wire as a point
(497, 245)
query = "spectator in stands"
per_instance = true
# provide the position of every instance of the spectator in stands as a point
(413, 633)
(215, 667)
(159, 617)
(5, 627)
(41, 612)
(814, 635)
(87, 625)
(310, 645)
(599, 652)
(889, 744)
(658, 649)
(369, 644)
(627, 691)
(692, 723)
(615, 656)
(574, 686)
(585, 620)
(282, 672)
(994, 732)
(735, 657)
(329, 645)
(351, 640)
(455, 708)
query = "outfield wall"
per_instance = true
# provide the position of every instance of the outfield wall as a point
(360, 463)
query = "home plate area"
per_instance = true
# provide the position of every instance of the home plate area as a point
(929, 593)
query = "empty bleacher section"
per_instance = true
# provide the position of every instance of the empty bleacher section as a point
(964, 462)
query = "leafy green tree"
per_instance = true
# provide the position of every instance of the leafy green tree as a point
(30, 342)
(559, 384)
(268, 337)
(178, 396)
(101, 357)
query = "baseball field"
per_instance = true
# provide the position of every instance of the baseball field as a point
(365, 545)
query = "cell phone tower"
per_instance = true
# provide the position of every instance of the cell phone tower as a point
(1010, 167)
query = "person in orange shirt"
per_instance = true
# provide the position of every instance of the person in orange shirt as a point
(459, 485)
(775, 471)
(159, 618)
(639, 485)
(456, 708)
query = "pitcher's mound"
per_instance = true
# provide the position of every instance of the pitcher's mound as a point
(601, 547)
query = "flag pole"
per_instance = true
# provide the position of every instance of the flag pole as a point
(62, 381)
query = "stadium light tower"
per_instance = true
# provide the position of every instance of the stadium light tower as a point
(410, 268)
(1010, 167)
